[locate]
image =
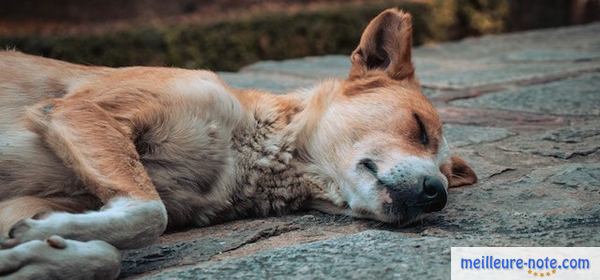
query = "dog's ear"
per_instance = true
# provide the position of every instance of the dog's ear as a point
(385, 45)
(458, 173)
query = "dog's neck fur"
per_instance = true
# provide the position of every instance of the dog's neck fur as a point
(275, 173)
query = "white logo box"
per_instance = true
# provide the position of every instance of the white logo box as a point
(552, 263)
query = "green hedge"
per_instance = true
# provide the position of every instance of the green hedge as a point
(229, 45)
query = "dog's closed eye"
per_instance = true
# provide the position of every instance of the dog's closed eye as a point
(422, 133)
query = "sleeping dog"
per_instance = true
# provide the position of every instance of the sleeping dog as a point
(96, 159)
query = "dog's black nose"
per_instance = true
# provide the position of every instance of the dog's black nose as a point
(433, 197)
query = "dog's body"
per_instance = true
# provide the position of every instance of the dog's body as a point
(206, 147)
(146, 148)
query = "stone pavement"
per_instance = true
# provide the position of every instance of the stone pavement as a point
(523, 109)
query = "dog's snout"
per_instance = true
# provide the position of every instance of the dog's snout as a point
(432, 186)
(410, 196)
(434, 195)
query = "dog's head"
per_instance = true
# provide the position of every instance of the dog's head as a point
(379, 138)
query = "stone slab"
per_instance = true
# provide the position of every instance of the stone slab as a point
(461, 75)
(564, 42)
(549, 55)
(209, 243)
(199, 249)
(509, 58)
(275, 83)
(578, 139)
(368, 255)
(578, 176)
(442, 73)
(465, 135)
(579, 96)
(539, 207)
(321, 67)
(577, 132)
(477, 62)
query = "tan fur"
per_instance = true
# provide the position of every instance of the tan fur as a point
(209, 152)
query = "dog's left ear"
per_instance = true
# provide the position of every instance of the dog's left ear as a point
(458, 173)
(385, 45)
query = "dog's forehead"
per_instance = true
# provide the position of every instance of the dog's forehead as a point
(396, 108)
(400, 114)
(405, 107)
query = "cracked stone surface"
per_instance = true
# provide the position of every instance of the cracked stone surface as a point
(272, 82)
(575, 96)
(464, 135)
(322, 260)
(578, 139)
(576, 133)
(523, 109)
(578, 176)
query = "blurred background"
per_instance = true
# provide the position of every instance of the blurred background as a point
(228, 34)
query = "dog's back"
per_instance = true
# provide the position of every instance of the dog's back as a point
(27, 79)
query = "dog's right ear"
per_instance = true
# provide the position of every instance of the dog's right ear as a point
(458, 172)
(385, 45)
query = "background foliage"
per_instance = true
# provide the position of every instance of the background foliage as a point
(232, 42)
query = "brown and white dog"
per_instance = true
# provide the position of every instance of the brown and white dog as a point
(93, 159)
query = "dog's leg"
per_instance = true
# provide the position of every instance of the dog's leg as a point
(101, 152)
(57, 258)
(17, 209)
(123, 222)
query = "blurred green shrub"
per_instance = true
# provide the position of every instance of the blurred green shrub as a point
(482, 16)
(229, 45)
(226, 45)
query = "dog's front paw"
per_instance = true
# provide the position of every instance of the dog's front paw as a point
(42, 227)
(29, 229)
(58, 258)
(8, 243)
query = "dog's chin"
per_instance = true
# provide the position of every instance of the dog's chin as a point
(403, 218)
(406, 218)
